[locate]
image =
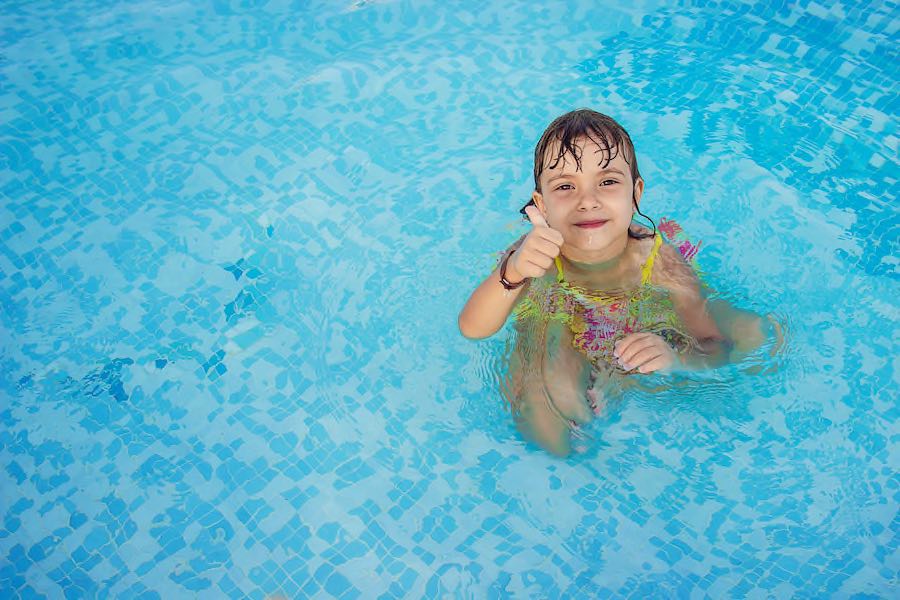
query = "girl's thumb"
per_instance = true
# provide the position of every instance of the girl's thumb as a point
(535, 216)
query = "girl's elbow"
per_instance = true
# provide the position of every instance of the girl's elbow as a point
(471, 332)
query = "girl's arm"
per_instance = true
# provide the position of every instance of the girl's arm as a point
(490, 304)
(712, 348)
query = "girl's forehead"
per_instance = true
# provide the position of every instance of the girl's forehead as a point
(590, 154)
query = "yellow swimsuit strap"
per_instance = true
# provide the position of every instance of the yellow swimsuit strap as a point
(646, 269)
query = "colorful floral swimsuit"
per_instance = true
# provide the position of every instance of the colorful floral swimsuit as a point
(598, 320)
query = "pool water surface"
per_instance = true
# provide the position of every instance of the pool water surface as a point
(235, 238)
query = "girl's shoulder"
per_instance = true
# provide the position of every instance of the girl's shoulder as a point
(676, 263)
(674, 235)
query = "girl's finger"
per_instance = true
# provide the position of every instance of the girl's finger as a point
(532, 265)
(546, 247)
(643, 357)
(630, 344)
(542, 261)
(631, 360)
(551, 235)
(657, 364)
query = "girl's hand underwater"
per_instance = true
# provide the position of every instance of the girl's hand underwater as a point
(646, 352)
(535, 256)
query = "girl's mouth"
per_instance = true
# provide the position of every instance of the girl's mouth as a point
(590, 224)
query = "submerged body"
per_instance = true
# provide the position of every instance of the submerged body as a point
(564, 363)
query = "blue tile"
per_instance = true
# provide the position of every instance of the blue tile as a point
(234, 242)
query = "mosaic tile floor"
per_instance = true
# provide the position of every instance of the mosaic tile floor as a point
(235, 236)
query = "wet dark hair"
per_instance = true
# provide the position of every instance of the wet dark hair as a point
(564, 132)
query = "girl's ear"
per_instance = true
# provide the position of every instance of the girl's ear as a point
(538, 199)
(638, 190)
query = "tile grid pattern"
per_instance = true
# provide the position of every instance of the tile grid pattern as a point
(221, 230)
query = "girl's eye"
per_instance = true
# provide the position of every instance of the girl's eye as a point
(565, 186)
(609, 181)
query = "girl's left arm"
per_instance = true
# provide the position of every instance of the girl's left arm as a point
(712, 348)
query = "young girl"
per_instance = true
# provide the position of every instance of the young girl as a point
(596, 295)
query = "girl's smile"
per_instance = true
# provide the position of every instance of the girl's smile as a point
(591, 224)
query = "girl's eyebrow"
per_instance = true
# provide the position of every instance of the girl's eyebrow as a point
(560, 176)
(612, 170)
(602, 172)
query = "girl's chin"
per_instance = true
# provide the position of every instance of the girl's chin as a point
(590, 242)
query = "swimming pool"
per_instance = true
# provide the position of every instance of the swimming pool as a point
(235, 237)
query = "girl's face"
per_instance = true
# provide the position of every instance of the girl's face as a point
(591, 207)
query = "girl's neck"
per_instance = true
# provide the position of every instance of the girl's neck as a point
(576, 267)
(594, 261)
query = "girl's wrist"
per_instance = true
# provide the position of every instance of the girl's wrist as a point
(510, 278)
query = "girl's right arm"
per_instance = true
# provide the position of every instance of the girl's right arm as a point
(490, 304)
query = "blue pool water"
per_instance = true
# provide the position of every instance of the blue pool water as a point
(235, 237)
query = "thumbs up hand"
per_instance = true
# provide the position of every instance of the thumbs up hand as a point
(535, 256)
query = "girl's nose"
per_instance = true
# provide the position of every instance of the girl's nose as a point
(589, 199)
